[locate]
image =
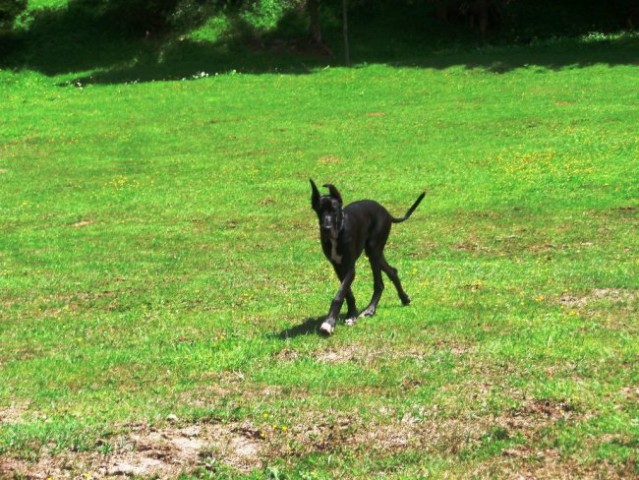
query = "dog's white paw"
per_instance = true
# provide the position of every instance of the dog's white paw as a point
(350, 321)
(327, 328)
(366, 313)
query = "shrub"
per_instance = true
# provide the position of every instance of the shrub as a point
(9, 10)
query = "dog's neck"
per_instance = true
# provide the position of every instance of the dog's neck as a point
(334, 233)
(335, 256)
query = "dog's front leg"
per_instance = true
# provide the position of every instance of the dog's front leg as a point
(336, 305)
(351, 313)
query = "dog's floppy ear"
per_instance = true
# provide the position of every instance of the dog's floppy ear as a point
(334, 192)
(315, 196)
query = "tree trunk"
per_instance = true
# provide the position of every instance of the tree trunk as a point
(315, 28)
(347, 48)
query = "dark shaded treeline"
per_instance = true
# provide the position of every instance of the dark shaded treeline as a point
(118, 48)
(522, 17)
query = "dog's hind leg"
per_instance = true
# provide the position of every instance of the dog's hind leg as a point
(352, 308)
(392, 274)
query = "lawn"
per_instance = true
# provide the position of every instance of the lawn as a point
(161, 278)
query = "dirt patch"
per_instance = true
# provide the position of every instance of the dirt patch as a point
(540, 413)
(329, 160)
(362, 355)
(631, 393)
(420, 430)
(610, 295)
(12, 414)
(351, 353)
(145, 451)
(628, 211)
(60, 304)
(266, 201)
(336, 356)
(614, 295)
(315, 432)
(149, 452)
(572, 301)
(470, 246)
(82, 223)
(522, 463)
(287, 355)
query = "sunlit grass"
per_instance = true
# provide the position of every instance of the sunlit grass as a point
(159, 254)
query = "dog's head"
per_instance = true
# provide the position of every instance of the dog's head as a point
(328, 209)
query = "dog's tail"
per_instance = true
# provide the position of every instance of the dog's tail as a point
(410, 210)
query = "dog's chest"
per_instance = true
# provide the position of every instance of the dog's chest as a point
(331, 250)
(334, 255)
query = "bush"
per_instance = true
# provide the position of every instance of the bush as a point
(266, 14)
(142, 17)
(543, 18)
(9, 10)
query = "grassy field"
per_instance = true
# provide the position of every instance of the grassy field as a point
(161, 279)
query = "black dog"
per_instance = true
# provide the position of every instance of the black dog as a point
(345, 233)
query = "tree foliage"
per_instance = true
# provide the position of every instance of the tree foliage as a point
(511, 19)
(9, 10)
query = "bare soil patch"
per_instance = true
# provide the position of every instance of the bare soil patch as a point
(350, 353)
(164, 453)
(329, 159)
(422, 430)
(12, 414)
(470, 246)
(287, 354)
(149, 452)
(598, 295)
(523, 463)
(82, 223)
(337, 356)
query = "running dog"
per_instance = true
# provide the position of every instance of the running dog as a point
(347, 231)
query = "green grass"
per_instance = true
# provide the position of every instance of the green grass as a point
(159, 256)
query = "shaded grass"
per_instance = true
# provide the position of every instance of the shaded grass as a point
(80, 44)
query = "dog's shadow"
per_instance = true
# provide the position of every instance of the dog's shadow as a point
(309, 326)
